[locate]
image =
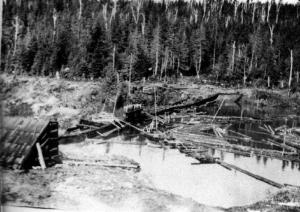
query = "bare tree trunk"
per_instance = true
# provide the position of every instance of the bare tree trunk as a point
(214, 55)
(143, 24)
(204, 9)
(1, 12)
(235, 9)
(16, 34)
(155, 107)
(245, 77)
(118, 80)
(1, 100)
(215, 46)
(104, 14)
(242, 16)
(113, 12)
(54, 17)
(291, 69)
(165, 63)
(136, 16)
(116, 99)
(269, 8)
(251, 61)
(263, 13)
(130, 67)
(196, 67)
(173, 61)
(114, 56)
(271, 33)
(221, 8)
(80, 10)
(233, 56)
(200, 61)
(161, 68)
(178, 65)
(253, 13)
(156, 62)
(278, 10)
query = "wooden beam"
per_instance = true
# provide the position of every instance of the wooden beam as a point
(40, 155)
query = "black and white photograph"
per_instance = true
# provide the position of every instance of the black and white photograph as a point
(149, 106)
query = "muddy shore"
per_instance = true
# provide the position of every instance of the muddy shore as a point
(101, 188)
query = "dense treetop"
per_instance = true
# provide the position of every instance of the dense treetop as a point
(221, 39)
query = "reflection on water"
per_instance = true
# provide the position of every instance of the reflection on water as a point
(208, 184)
(255, 127)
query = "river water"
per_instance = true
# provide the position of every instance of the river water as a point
(209, 184)
(212, 184)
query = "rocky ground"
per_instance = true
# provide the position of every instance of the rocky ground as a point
(101, 188)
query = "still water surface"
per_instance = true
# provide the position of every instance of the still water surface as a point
(209, 184)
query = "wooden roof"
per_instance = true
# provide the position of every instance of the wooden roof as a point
(18, 137)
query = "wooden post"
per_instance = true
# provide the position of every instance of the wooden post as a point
(40, 155)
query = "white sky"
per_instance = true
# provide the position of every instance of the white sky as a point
(284, 1)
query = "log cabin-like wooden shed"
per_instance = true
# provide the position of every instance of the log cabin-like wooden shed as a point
(25, 142)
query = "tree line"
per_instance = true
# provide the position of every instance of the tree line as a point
(223, 40)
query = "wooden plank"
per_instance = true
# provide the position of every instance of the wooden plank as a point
(40, 154)
(88, 126)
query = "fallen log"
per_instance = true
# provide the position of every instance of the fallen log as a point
(78, 163)
(263, 179)
(177, 107)
(282, 145)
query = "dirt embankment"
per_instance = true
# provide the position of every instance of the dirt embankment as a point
(43, 97)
